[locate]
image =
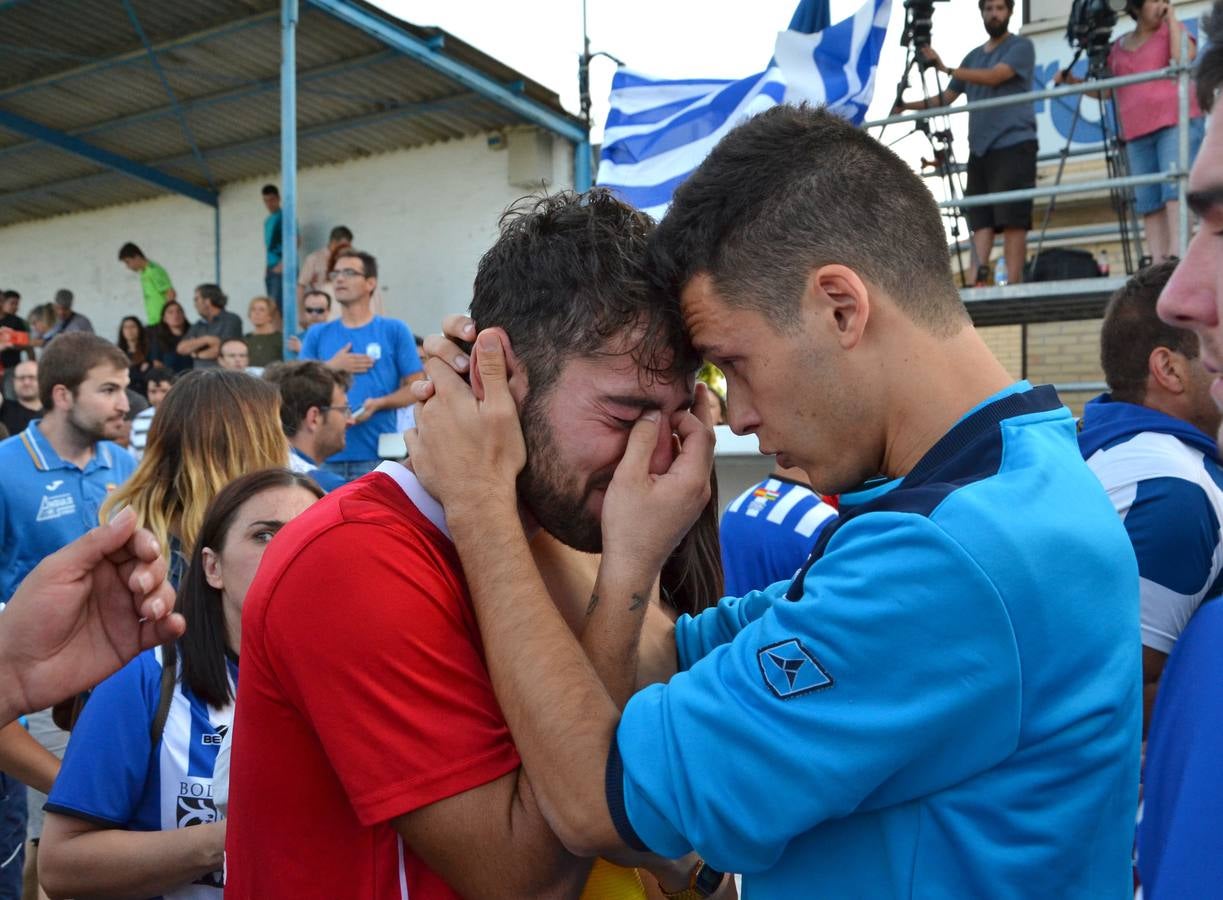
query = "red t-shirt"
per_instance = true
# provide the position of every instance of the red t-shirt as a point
(363, 695)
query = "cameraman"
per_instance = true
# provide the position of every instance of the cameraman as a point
(1149, 115)
(1001, 141)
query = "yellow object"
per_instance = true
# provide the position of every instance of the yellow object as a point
(611, 882)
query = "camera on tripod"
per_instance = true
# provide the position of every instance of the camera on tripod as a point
(919, 16)
(1089, 28)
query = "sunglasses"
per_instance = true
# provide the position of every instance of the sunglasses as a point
(316, 310)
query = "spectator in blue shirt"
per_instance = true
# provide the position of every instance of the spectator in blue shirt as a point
(379, 353)
(150, 752)
(56, 475)
(273, 245)
(769, 530)
(314, 413)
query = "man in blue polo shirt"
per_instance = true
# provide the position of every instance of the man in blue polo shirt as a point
(379, 353)
(946, 700)
(56, 474)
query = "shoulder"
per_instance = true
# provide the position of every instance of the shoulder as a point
(1147, 454)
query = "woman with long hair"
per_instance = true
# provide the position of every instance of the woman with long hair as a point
(213, 426)
(133, 340)
(149, 755)
(164, 338)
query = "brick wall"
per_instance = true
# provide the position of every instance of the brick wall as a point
(1058, 353)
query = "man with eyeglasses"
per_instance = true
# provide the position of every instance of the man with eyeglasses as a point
(380, 355)
(314, 413)
(15, 416)
(316, 309)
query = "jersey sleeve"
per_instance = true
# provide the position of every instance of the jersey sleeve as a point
(110, 752)
(841, 701)
(387, 670)
(1175, 534)
(160, 280)
(696, 637)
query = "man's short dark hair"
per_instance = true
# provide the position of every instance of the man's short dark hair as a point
(158, 374)
(233, 340)
(368, 263)
(317, 293)
(566, 277)
(270, 190)
(130, 251)
(68, 359)
(303, 383)
(796, 188)
(213, 294)
(63, 297)
(1210, 61)
(11, 295)
(1010, 5)
(340, 233)
(1132, 329)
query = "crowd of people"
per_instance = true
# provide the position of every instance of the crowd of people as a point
(921, 658)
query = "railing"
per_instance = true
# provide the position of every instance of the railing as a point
(1181, 72)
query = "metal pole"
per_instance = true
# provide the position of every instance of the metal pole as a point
(1064, 90)
(216, 236)
(1182, 133)
(581, 166)
(288, 166)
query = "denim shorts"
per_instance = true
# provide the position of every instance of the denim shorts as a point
(1157, 152)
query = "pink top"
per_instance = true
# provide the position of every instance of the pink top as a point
(1147, 107)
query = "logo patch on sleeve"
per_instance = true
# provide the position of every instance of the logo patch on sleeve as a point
(789, 669)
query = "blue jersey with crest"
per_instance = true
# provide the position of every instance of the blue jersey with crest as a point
(946, 702)
(113, 776)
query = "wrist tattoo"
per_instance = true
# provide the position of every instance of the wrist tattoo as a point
(639, 600)
(590, 607)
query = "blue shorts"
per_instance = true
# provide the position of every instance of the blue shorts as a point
(1157, 152)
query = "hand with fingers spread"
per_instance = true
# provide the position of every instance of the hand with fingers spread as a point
(645, 515)
(467, 448)
(82, 613)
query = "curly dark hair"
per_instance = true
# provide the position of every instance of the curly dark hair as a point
(566, 279)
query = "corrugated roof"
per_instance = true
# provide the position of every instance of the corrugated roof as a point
(79, 67)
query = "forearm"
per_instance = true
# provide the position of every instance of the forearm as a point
(398, 398)
(27, 760)
(562, 718)
(111, 862)
(612, 636)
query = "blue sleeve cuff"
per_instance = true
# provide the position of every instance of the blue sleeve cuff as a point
(614, 787)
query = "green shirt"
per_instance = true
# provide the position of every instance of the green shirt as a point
(155, 282)
(265, 349)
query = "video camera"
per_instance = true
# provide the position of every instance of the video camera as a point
(919, 15)
(1089, 28)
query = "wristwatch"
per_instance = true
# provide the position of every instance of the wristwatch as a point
(703, 881)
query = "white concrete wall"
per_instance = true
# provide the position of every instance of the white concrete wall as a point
(427, 214)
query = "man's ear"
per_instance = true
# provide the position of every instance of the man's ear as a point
(313, 416)
(840, 293)
(1168, 369)
(516, 375)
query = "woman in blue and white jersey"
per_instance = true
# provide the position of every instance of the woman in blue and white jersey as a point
(149, 755)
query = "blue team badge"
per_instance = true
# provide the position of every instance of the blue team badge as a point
(789, 670)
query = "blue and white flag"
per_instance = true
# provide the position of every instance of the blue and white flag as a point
(659, 130)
